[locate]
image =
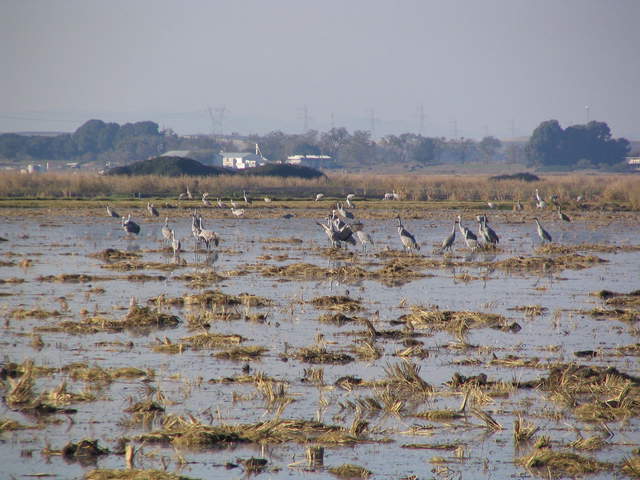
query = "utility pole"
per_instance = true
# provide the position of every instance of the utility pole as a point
(304, 113)
(372, 121)
(220, 111)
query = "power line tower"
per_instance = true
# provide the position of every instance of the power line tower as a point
(333, 121)
(304, 115)
(421, 119)
(220, 112)
(213, 122)
(372, 121)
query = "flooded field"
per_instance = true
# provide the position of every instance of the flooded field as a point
(278, 356)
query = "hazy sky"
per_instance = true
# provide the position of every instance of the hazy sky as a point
(475, 66)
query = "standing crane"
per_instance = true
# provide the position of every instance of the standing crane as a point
(542, 233)
(563, 216)
(130, 226)
(153, 211)
(407, 239)
(447, 243)
(112, 213)
(469, 237)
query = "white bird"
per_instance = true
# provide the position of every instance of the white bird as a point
(542, 233)
(189, 196)
(221, 204)
(342, 212)
(408, 240)
(491, 205)
(540, 203)
(153, 211)
(166, 231)
(175, 243)
(267, 200)
(349, 204)
(112, 213)
(319, 197)
(351, 196)
(233, 203)
(247, 200)
(205, 202)
(238, 212)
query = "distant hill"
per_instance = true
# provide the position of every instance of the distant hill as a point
(178, 166)
(170, 167)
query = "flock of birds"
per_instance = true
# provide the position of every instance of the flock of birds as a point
(340, 226)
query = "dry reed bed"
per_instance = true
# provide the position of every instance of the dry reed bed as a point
(607, 188)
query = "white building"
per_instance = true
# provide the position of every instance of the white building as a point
(313, 161)
(634, 162)
(242, 160)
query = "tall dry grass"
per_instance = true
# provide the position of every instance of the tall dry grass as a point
(594, 188)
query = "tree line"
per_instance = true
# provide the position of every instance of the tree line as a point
(550, 145)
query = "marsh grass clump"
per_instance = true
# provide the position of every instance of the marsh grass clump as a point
(455, 322)
(61, 396)
(132, 474)
(560, 249)
(337, 318)
(114, 254)
(631, 466)
(349, 470)
(73, 278)
(207, 340)
(571, 261)
(38, 313)
(190, 433)
(145, 317)
(246, 353)
(523, 431)
(131, 264)
(592, 443)
(405, 377)
(548, 462)
(318, 354)
(337, 302)
(83, 448)
(211, 298)
(9, 425)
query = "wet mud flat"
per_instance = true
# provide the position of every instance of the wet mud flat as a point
(277, 356)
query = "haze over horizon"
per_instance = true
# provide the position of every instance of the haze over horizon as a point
(474, 68)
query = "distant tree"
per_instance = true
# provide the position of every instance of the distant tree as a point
(332, 141)
(489, 147)
(426, 150)
(12, 145)
(589, 144)
(358, 148)
(305, 148)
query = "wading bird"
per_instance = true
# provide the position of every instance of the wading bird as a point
(175, 243)
(563, 216)
(469, 237)
(130, 226)
(166, 231)
(112, 213)
(364, 238)
(205, 202)
(153, 211)
(247, 200)
(517, 206)
(319, 196)
(207, 236)
(542, 233)
(189, 196)
(540, 203)
(342, 212)
(238, 212)
(487, 233)
(220, 203)
(408, 240)
(447, 243)
(267, 200)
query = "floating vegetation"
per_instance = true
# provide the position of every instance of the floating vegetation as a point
(21, 313)
(318, 354)
(529, 310)
(9, 425)
(572, 261)
(212, 340)
(547, 462)
(128, 265)
(436, 319)
(337, 318)
(433, 446)
(145, 317)
(590, 443)
(246, 353)
(114, 254)
(13, 280)
(337, 302)
(83, 448)
(558, 248)
(73, 278)
(132, 474)
(190, 433)
(349, 470)
(211, 298)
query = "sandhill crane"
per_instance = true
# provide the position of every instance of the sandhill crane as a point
(166, 231)
(351, 196)
(469, 237)
(220, 203)
(447, 243)
(153, 211)
(364, 238)
(342, 212)
(130, 226)
(333, 237)
(563, 216)
(233, 203)
(487, 233)
(540, 203)
(542, 233)
(238, 212)
(247, 200)
(207, 236)
(343, 231)
(205, 202)
(517, 206)
(349, 204)
(408, 240)
(175, 243)
(319, 196)
(267, 200)
(189, 196)
(112, 213)
(195, 227)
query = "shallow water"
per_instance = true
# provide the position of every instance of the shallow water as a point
(59, 243)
